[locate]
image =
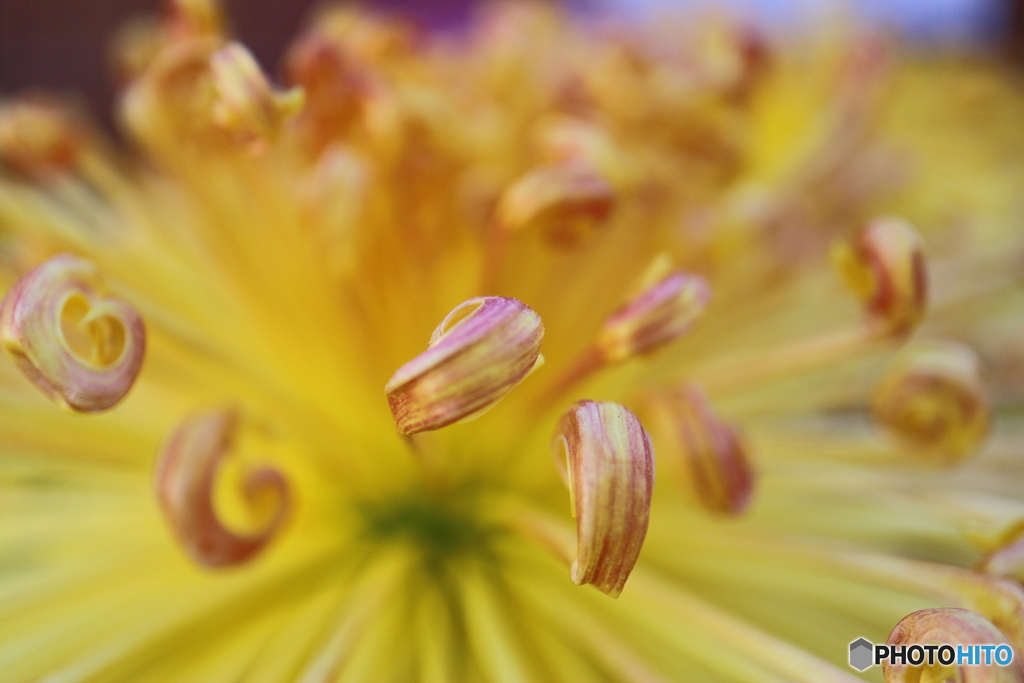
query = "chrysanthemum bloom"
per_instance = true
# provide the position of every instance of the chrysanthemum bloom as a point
(513, 357)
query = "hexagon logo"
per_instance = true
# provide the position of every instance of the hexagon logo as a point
(860, 654)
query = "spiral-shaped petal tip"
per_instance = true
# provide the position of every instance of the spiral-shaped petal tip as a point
(186, 473)
(81, 347)
(952, 627)
(934, 400)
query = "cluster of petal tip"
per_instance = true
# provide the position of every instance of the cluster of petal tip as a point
(78, 345)
(933, 400)
(479, 353)
(246, 106)
(187, 470)
(189, 82)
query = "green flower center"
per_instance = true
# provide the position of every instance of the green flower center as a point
(443, 526)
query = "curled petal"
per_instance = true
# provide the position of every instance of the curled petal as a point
(934, 400)
(479, 353)
(885, 267)
(714, 458)
(245, 105)
(609, 469)
(664, 306)
(948, 626)
(566, 202)
(80, 347)
(39, 137)
(186, 471)
(1001, 601)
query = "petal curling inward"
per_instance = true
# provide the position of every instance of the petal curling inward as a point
(885, 266)
(477, 355)
(246, 106)
(78, 346)
(566, 202)
(186, 471)
(663, 306)
(948, 626)
(714, 459)
(934, 400)
(608, 465)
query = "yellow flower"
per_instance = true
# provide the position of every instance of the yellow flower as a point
(232, 450)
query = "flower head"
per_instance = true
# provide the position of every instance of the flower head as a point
(221, 303)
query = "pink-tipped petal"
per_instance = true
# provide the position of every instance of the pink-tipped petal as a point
(477, 355)
(186, 471)
(246, 106)
(665, 306)
(79, 346)
(566, 202)
(885, 266)
(609, 469)
(948, 626)
(713, 457)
